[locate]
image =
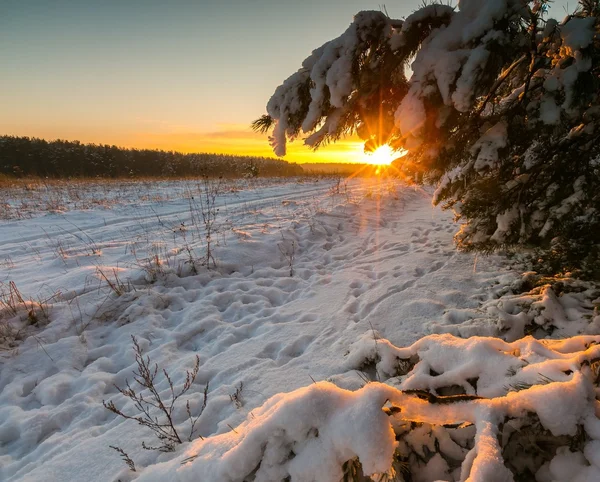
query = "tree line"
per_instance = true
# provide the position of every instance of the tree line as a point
(30, 156)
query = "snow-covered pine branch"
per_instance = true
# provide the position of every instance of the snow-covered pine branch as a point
(499, 110)
(515, 411)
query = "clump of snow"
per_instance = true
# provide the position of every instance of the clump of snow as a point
(578, 32)
(504, 222)
(472, 69)
(411, 118)
(306, 435)
(549, 111)
(487, 147)
(551, 83)
(417, 18)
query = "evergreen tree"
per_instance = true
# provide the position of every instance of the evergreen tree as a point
(24, 156)
(496, 104)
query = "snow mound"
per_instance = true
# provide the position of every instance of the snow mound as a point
(545, 390)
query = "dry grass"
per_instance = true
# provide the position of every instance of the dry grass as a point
(26, 197)
(19, 313)
(154, 411)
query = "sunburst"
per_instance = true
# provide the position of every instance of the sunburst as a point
(382, 156)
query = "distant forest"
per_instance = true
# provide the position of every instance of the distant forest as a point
(25, 156)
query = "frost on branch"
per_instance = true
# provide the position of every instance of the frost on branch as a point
(499, 110)
(479, 409)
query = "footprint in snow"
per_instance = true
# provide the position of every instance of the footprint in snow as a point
(282, 353)
(436, 266)
(352, 307)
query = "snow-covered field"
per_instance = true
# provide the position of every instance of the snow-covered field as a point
(312, 285)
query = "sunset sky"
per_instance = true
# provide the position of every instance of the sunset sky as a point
(181, 75)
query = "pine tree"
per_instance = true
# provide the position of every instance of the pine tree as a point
(494, 103)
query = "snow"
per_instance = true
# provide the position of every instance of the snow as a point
(312, 422)
(411, 117)
(551, 83)
(415, 19)
(457, 75)
(487, 147)
(323, 426)
(578, 33)
(549, 111)
(463, 95)
(378, 294)
(504, 222)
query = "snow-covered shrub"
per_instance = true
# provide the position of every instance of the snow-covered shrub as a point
(525, 410)
(500, 112)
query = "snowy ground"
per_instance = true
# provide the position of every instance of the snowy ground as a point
(370, 261)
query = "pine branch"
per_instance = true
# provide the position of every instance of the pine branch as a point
(262, 124)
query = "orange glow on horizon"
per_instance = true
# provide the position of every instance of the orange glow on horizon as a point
(229, 139)
(240, 140)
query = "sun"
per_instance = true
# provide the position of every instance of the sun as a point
(382, 156)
